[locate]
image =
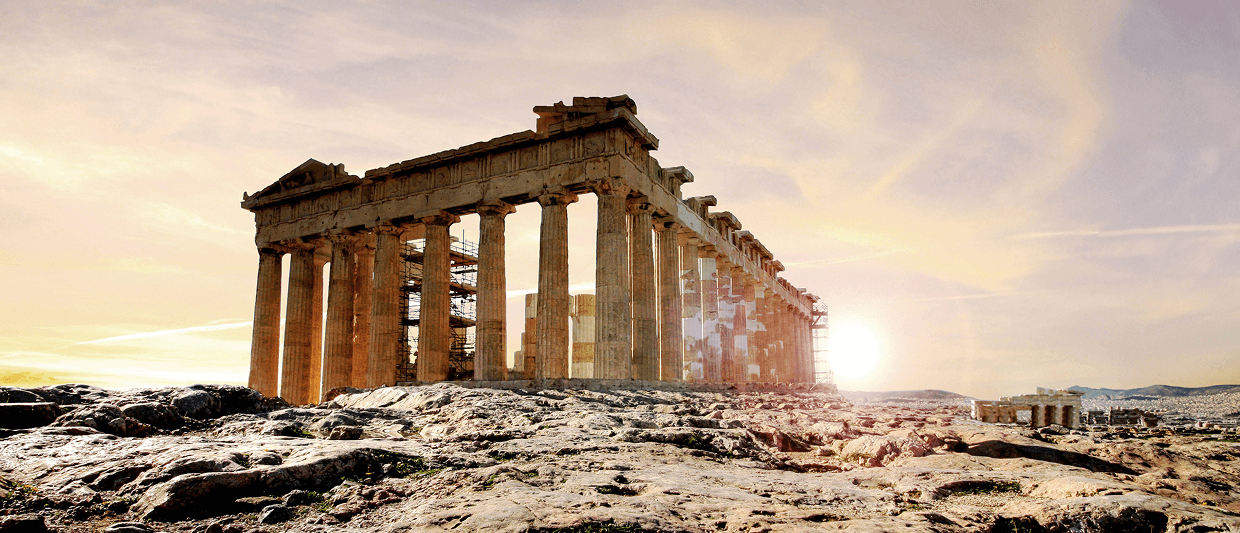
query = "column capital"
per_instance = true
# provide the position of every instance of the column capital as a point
(388, 228)
(665, 222)
(688, 237)
(341, 237)
(609, 186)
(561, 197)
(498, 208)
(299, 245)
(708, 251)
(640, 205)
(442, 218)
(272, 249)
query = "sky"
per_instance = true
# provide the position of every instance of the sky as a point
(1005, 194)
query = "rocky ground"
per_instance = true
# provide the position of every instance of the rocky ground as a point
(217, 459)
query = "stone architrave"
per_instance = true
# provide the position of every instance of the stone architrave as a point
(583, 318)
(434, 322)
(295, 369)
(613, 334)
(727, 313)
(338, 348)
(711, 339)
(385, 308)
(551, 338)
(645, 304)
(671, 338)
(490, 356)
(363, 272)
(691, 309)
(265, 346)
(315, 386)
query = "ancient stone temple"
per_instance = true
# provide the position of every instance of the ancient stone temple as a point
(682, 293)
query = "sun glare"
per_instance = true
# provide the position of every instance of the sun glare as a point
(853, 351)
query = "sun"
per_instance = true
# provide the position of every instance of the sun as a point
(853, 351)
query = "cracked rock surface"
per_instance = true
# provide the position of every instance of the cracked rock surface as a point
(217, 459)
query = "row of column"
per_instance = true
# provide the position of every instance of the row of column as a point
(680, 314)
(363, 324)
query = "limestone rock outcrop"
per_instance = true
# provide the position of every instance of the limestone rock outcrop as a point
(442, 457)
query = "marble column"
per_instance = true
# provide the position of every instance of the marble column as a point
(761, 331)
(265, 344)
(338, 351)
(363, 284)
(315, 386)
(754, 349)
(645, 303)
(671, 339)
(711, 349)
(490, 357)
(582, 313)
(740, 326)
(385, 308)
(727, 314)
(613, 333)
(693, 368)
(807, 348)
(295, 371)
(435, 317)
(551, 337)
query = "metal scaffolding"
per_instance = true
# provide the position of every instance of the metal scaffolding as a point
(463, 307)
(823, 374)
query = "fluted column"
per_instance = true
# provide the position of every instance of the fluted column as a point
(711, 349)
(671, 338)
(785, 362)
(316, 333)
(551, 337)
(613, 333)
(434, 322)
(740, 327)
(384, 308)
(363, 285)
(807, 349)
(727, 312)
(691, 308)
(338, 351)
(295, 371)
(753, 349)
(490, 358)
(265, 343)
(645, 305)
(761, 332)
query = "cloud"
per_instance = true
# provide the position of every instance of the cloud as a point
(1224, 229)
(167, 332)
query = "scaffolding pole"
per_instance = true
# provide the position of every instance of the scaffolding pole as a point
(823, 375)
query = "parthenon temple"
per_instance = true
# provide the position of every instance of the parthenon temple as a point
(681, 292)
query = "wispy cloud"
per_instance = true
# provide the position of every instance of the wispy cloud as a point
(862, 257)
(1135, 232)
(166, 332)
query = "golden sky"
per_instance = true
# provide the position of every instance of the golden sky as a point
(1007, 194)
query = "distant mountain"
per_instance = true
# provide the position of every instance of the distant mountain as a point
(1157, 391)
(926, 394)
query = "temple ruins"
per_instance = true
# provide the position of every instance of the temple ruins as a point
(1046, 407)
(682, 293)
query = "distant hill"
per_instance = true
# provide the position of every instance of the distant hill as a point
(1156, 391)
(926, 394)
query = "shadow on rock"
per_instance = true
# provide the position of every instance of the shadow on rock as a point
(1006, 450)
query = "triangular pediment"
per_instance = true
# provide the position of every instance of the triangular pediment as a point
(308, 177)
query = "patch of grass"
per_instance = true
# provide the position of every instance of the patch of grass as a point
(12, 491)
(300, 432)
(1017, 525)
(404, 465)
(502, 456)
(490, 481)
(988, 487)
(243, 459)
